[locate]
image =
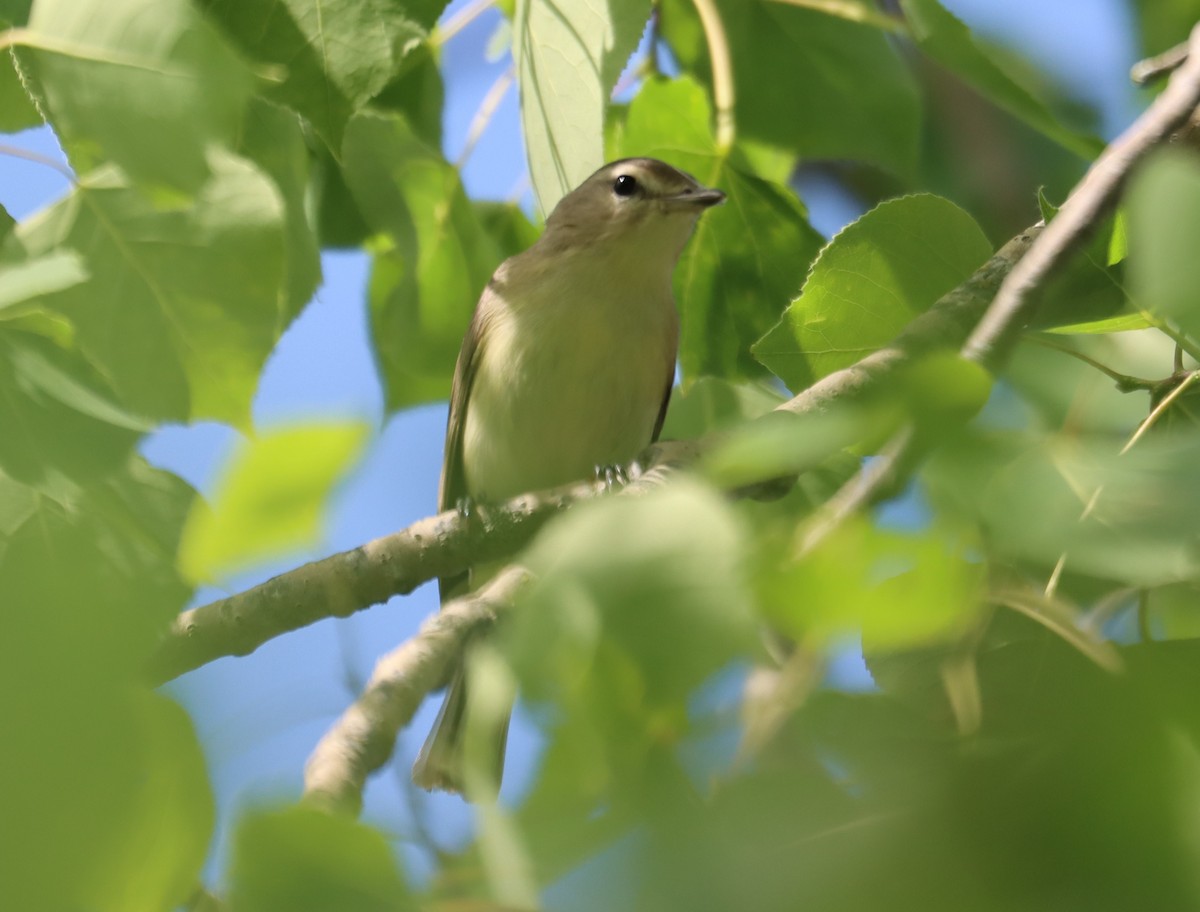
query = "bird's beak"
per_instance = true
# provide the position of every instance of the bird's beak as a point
(701, 198)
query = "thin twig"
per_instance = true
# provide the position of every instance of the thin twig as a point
(1160, 65)
(483, 116)
(724, 94)
(38, 158)
(1005, 319)
(854, 12)
(1159, 410)
(1087, 204)
(460, 21)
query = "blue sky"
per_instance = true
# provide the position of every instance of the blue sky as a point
(260, 716)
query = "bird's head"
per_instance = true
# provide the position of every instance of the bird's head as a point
(635, 204)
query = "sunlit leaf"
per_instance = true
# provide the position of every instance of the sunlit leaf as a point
(849, 96)
(270, 497)
(747, 257)
(896, 589)
(53, 272)
(569, 54)
(869, 283)
(329, 57)
(181, 307)
(147, 84)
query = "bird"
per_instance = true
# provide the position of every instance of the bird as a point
(565, 370)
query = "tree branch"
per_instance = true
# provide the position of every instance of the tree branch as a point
(362, 739)
(1005, 319)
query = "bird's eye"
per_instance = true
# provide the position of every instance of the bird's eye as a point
(625, 185)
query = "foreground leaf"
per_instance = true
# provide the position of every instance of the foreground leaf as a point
(270, 498)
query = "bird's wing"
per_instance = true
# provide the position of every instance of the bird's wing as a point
(452, 487)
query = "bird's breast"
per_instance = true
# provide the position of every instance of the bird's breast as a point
(564, 383)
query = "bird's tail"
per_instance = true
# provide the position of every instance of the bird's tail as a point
(441, 763)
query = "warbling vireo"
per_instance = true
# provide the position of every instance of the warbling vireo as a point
(567, 366)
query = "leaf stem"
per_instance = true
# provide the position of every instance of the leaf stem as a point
(1125, 383)
(724, 94)
(853, 12)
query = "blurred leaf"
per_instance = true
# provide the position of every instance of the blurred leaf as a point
(182, 307)
(271, 138)
(27, 281)
(1173, 612)
(143, 83)
(869, 282)
(304, 860)
(1162, 24)
(1031, 493)
(328, 57)
(425, 285)
(712, 404)
(155, 858)
(568, 56)
(851, 96)
(61, 415)
(87, 585)
(783, 444)
(747, 257)
(946, 40)
(897, 589)
(1163, 206)
(270, 498)
(507, 226)
(636, 602)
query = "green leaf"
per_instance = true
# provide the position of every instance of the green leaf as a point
(417, 92)
(946, 40)
(897, 589)
(849, 96)
(154, 860)
(1163, 205)
(304, 860)
(424, 285)
(1032, 495)
(1122, 323)
(143, 83)
(270, 498)
(636, 602)
(53, 272)
(747, 257)
(331, 56)
(271, 138)
(568, 55)
(868, 284)
(182, 307)
(61, 416)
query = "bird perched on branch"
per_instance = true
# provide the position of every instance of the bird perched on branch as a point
(567, 366)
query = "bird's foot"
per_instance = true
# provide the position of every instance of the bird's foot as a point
(611, 476)
(466, 507)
